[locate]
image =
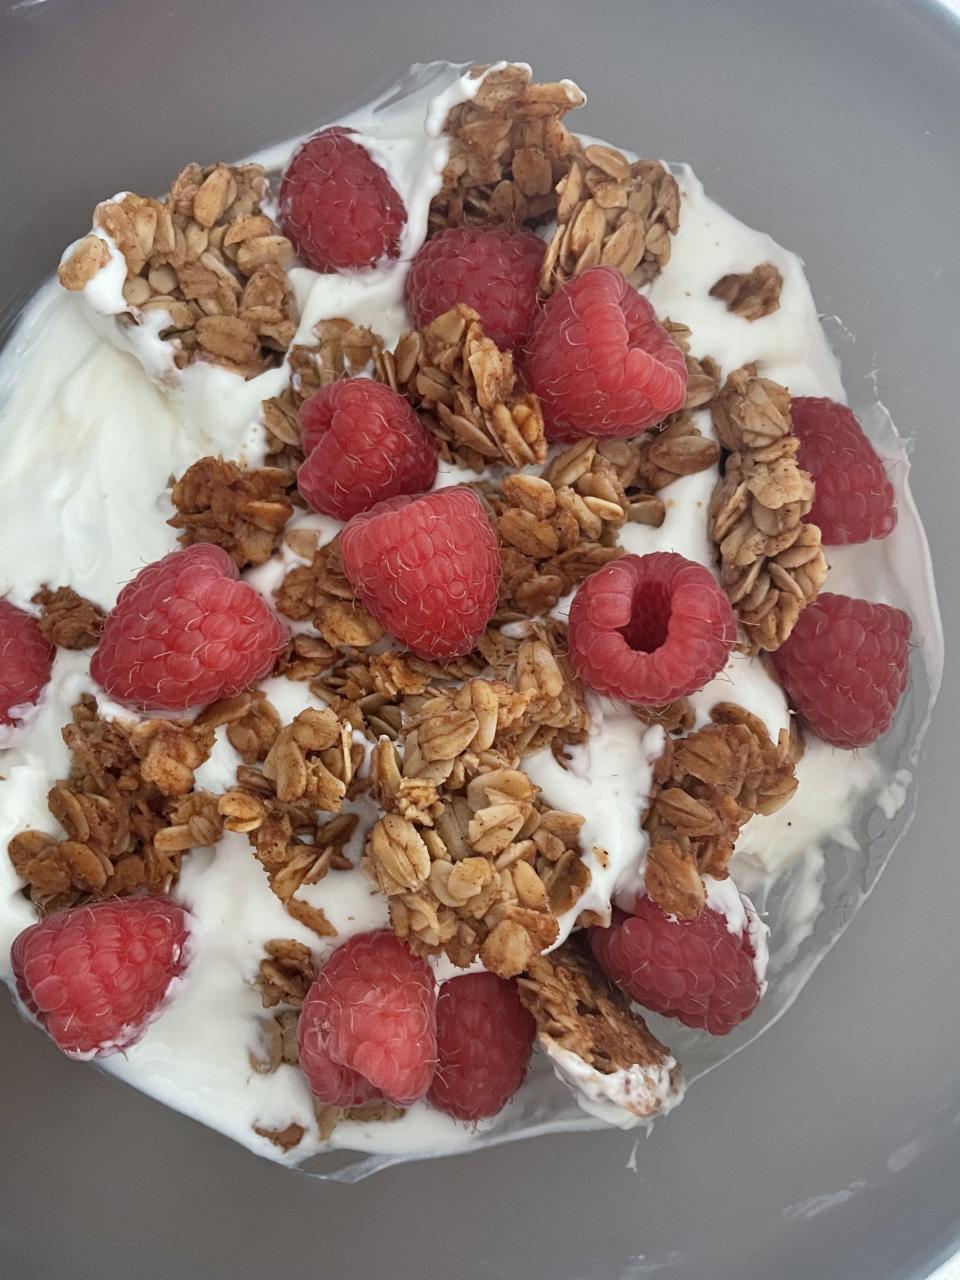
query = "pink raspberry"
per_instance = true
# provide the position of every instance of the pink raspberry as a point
(695, 970)
(185, 632)
(95, 977)
(494, 270)
(844, 667)
(649, 629)
(26, 660)
(601, 362)
(363, 443)
(427, 568)
(337, 205)
(484, 1039)
(368, 1024)
(854, 500)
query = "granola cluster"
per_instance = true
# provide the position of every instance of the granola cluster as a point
(579, 1012)
(508, 149)
(707, 784)
(771, 562)
(207, 259)
(67, 620)
(752, 294)
(243, 510)
(128, 807)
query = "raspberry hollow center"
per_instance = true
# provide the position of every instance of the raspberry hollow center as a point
(649, 617)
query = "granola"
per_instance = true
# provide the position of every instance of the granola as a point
(708, 783)
(771, 562)
(469, 394)
(128, 809)
(206, 259)
(611, 213)
(508, 149)
(581, 1016)
(753, 294)
(67, 619)
(240, 509)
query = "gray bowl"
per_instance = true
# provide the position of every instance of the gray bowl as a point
(831, 1148)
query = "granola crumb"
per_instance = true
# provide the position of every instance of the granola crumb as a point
(67, 619)
(753, 294)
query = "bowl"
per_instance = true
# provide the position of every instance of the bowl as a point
(831, 1146)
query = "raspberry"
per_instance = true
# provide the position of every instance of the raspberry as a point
(368, 1024)
(427, 568)
(649, 629)
(695, 970)
(601, 362)
(337, 205)
(484, 1039)
(844, 667)
(26, 660)
(96, 976)
(854, 500)
(185, 632)
(494, 270)
(363, 443)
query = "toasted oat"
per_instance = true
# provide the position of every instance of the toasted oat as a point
(611, 213)
(208, 259)
(754, 294)
(67, 619)
(580, 1013)
(703, 373)
(771, 561)
(128, 808)
(469, 394)
(242, 510)
(378, 1111)
(707, 785)
(286, 1139)
(508, 150)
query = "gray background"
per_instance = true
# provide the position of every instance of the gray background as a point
(832, 1147)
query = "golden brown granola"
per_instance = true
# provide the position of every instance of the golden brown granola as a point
(67, 619)
(286, 1139)
(128, 808)
(469, 394)
(707, 785)
(378, 1110)
(579, 1012)
(285, 973)
(508, 150)
(207, 259)
(470, 858)
(278, 1042)
(753, 294)
(611, 213)
(703, 373)
(243, 510)
(319, 592)
(771, 561)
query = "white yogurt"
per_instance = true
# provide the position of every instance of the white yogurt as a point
(95, 421)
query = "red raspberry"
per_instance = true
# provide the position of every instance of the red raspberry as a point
(97, 976)
(338, 206)
(854, 500)
(427, 568)
(649, 629)
(494, 270)
(368, 1024)
(26, 660)
(844, 667)
(695, 970)
(363, 443)
(484, 1039)
(185, 632)
(601, 362)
